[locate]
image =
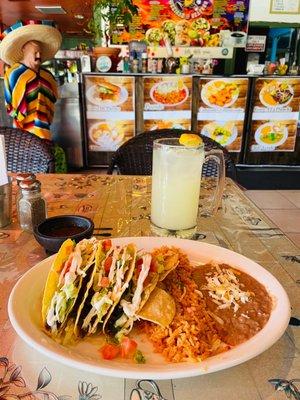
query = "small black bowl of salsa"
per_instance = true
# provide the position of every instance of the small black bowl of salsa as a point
(52, 232)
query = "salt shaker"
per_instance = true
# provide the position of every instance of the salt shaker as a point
(30, 177)
(22, 177)
(32, 206)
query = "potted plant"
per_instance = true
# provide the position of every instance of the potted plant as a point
(107, 16)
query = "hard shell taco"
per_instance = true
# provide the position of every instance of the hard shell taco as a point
(102, 257)
(149, 270)
(109, 281)
(62, 293)
(52, 280)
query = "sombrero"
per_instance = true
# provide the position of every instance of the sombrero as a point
(14, 38)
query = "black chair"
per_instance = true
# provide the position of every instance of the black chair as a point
(134, 157)
(26, 152)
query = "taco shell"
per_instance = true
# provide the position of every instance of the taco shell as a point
(160, 308)
(131, 248)
(99, 257)
(69, 295)
(52, 280)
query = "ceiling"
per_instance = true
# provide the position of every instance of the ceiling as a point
(13, 10)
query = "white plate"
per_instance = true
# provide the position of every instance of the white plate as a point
(231, 138)
(90, 94)
(164, 83)
(208, 103)
(24, 309)
(277, 105)
(262, 143)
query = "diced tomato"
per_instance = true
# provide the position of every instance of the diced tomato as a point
(104, 282)
(66, 266)
(107, 264)
(106, 245)
(138, 266)
(128, 347)
(139, 261)
(109, 351)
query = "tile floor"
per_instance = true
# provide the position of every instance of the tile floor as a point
(282, 207)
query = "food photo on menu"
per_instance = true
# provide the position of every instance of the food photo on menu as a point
(109, 93)
(200, 23)
(167, 93)
(219, 93)
(275, 135)
(109, 135)
(148, 302)
(227, 133)
(183, 33)
(223, 93)
(277, 94)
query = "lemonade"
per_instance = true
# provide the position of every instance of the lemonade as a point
(176, 179)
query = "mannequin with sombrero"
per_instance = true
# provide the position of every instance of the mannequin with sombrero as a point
(30, 90)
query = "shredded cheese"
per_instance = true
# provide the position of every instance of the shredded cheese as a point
(225, 290)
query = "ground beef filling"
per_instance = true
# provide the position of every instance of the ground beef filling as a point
(241, 319)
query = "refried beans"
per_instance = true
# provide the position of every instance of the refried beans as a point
(239, 313)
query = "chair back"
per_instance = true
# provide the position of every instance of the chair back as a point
(134, 157)
(26, 152)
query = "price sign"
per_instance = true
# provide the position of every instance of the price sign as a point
(256, 43)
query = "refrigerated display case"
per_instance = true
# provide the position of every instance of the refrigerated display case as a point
(255, 118)
(67, 124)
(118, 107)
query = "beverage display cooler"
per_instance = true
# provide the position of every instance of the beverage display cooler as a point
(67, 124)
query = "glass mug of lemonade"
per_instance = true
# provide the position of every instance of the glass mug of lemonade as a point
(176, 180)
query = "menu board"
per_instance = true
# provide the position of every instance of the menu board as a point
(222, 110)
(109, 111)
(167, 102)
(275, 115)
(186, 22)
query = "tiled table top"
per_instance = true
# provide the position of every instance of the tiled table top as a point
(122, 205)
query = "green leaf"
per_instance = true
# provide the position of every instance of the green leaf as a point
(120, 13)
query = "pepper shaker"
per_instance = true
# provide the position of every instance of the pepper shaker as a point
(32, 206)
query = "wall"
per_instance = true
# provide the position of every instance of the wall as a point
(72, 42)
(260, 11)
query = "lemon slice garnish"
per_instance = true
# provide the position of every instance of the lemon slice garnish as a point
(190, 140)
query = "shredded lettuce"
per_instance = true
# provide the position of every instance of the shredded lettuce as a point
(139, 357)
